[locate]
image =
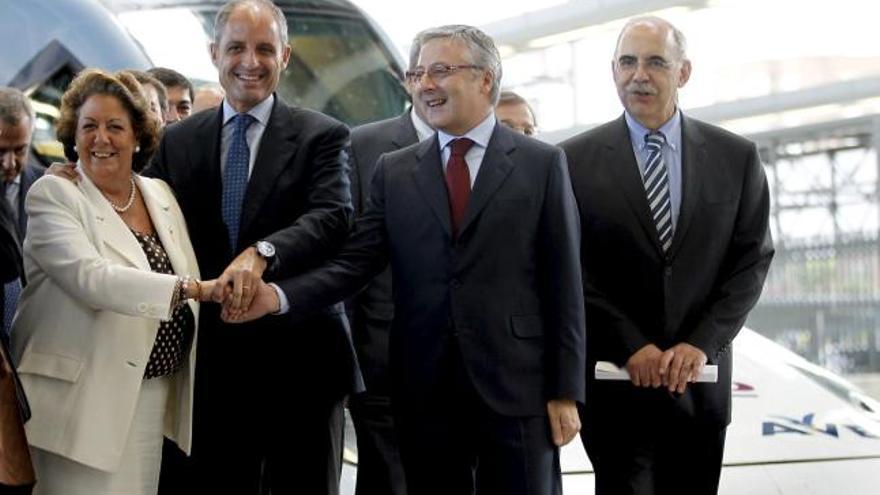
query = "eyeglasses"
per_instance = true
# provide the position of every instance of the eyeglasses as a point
(437, 72)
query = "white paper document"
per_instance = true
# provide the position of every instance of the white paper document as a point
(606, 370)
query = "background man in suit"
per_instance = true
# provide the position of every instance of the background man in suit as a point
(16, 469)
(673, 262)
(372, 310)
(515, 112)
(264, 190)
(480, 227)
(20, 170)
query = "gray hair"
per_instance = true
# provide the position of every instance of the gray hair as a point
(678, 37)
(414, 52)
(14, 105)
(482, 48)
(223, 17)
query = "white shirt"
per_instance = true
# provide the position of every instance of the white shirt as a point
(480, 135)
(423, 130)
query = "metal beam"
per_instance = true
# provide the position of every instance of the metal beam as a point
(833, 93)
(518, 31)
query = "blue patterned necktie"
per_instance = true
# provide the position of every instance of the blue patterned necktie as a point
(657, 188)
(235, 177)
(11, 291)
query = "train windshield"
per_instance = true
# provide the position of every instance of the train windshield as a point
(339, 66)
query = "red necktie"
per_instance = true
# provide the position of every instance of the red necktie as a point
(458, 182)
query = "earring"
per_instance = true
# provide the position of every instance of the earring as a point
(137, 149)
(74, 148)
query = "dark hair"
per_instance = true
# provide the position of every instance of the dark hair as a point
(510, 98)
(124, 87)
(171, 79)
(145, 78)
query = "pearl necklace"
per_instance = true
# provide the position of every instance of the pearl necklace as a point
(131, 196)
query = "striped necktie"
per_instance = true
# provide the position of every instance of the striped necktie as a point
(235, 177)
(657, 188)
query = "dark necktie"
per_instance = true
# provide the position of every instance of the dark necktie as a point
(657, 188)
(235, 177)
(458, 182)
(11, 292)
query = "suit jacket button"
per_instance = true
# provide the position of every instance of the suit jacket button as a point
(455, 283)
(667, 271)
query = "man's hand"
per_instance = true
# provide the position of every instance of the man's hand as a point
(244, 275)
(64, 170)
(265, 302)
(644, 367)
(681, 364)
(564, 420)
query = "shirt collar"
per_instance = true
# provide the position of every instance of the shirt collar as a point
(261, 111)
(17, 179)
(671, 130)
(423, 130)
(480, 134)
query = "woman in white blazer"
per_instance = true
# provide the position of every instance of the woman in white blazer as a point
(105, 333)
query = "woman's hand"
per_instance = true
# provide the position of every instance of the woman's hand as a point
(206, 288)
(265, 302)
(64, 170)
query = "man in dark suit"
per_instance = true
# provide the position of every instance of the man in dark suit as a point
(676, 246)
(19, 171)
(16, 470)
(487, 342)
(372, 310)
(264, 190)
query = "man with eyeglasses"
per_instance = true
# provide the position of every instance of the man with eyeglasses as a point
(371, 311)
(481, 230)
(676, 246)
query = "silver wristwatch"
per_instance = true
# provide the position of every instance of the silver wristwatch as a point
(266, 250)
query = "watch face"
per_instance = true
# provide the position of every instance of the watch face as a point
(265, 249)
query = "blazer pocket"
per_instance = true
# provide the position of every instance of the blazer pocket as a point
(527, 326)
(51, 365)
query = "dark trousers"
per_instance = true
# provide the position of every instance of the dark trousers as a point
(456, 445)
(16, 490)
(657, 452)
(379, 471)
(301, 455)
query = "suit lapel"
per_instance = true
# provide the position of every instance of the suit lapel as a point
(405, 134)
(693, 162)
(114, 233)
(494, 169)
(207, 160)
(429, 179)
(159, 206)
(622, 162)
(29, 175)
(277, 146)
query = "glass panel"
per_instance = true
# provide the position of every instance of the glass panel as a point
(46, 100)
(338, 67)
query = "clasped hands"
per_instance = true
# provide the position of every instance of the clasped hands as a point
(241, 290)
(673, 368)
